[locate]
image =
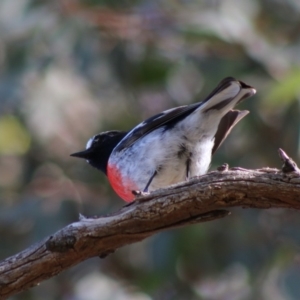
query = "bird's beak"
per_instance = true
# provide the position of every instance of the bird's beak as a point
(82, 154)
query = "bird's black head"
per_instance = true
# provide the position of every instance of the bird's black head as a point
(99, 148)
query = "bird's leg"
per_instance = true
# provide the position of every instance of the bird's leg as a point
(188, 164)
(145, 191)
(149, 182)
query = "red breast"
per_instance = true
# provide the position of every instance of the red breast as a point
(122, 186)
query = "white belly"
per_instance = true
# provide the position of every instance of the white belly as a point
(163, 155)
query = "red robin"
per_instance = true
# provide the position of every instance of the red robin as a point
(169, 147)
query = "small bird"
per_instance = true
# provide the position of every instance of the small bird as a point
(169, 147)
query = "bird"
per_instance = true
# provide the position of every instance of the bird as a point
(169, 147)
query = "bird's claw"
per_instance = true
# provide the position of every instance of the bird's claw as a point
(138, 193)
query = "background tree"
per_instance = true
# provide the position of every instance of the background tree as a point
(70, 69)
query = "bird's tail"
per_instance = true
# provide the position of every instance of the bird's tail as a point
(226, 95)
(225, 126)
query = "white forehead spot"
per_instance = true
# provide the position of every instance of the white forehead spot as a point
(89, 143)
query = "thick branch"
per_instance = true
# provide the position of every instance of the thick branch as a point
(198, 200)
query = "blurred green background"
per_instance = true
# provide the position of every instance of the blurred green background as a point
(71, 69)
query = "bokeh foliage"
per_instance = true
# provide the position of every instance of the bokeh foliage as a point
(70, 69)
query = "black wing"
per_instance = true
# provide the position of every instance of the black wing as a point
(168, 117)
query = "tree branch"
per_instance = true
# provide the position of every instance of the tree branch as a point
(201, 199)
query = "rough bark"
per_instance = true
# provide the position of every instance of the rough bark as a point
(198, 200)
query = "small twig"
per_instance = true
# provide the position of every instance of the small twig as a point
(288, 164)
(223, 168)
